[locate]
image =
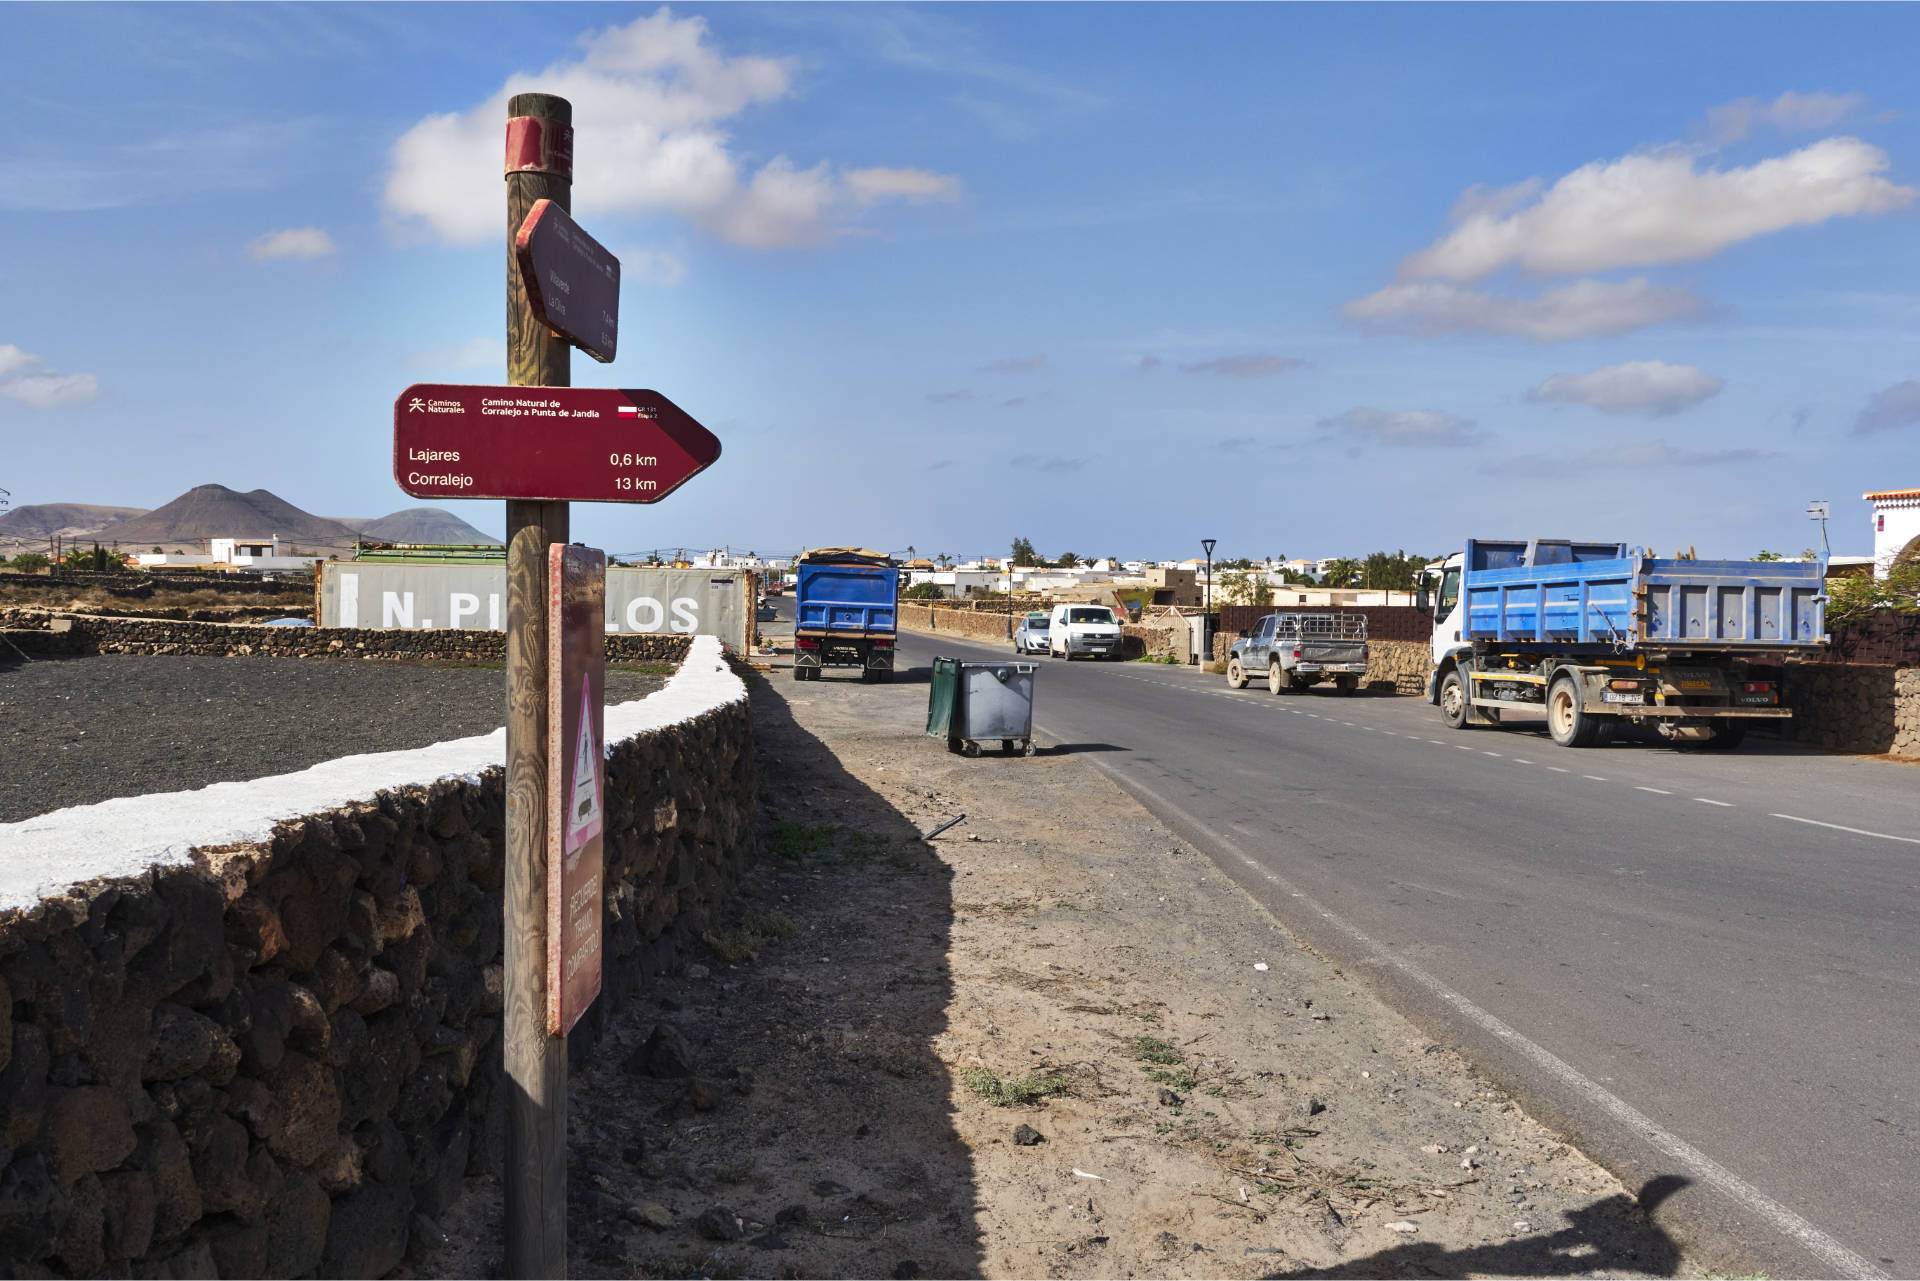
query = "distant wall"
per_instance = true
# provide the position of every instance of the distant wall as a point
(87, 634)
(640, 601)
(265, 1049)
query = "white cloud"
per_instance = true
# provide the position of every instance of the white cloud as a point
(1657, 207)
(1244, 366)
(651, 101)
(1583, 309)
(1789, 113)
(1404, 428)
(303, 243)
(1638, 456)
(652, 266)
(1893, 407)
(25, 377)
(474, 353)
(1650, 387)
(915, 186)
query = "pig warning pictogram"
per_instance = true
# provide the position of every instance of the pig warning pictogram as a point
(583, 803)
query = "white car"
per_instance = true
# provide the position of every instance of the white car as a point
(1031, 636)
(1084, 631)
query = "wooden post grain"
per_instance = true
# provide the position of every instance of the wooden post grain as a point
(536, 1064)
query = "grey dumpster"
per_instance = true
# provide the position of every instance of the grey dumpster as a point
(984, 702)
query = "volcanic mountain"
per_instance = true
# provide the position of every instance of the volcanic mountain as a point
(420, 525)
(28, 528)
(214, 511)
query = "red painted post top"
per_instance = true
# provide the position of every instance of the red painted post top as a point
(554, 444)
(539, 145)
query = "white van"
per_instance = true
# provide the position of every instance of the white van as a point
(1078, 631)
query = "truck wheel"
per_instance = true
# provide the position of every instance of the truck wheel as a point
(1567, 721)
(800, 673)
(881, 675)
(1236, 678)
(1277, 681)
(1727, 738)
(1453, 700)
(1347, 684)
(1609, 727)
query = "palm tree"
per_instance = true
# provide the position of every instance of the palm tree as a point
(1342, 572)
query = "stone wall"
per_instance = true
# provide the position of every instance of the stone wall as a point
(1852, 708)
(273, 1057)
(91, 634)
(1397, 665)
(991, 628)
(974, 624)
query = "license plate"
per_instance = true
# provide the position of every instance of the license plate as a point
(1611, 696)
(1696, 684)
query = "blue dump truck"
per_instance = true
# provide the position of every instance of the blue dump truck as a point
(843, 612)
(1599, 636)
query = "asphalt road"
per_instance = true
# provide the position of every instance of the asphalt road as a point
(1693, 964)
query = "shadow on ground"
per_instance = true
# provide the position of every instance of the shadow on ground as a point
(815, 1135)
(1614, 1234)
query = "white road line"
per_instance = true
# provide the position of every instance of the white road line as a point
(1489, 753)
(1708, 800)
(1556, 769)
(1463, 747)
(1657, 791)
(1705, 1168)
(1595, 777)
(1840, 827)
(1521, 761)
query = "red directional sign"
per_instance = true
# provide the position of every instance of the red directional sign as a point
(565, 444)
(572, 281)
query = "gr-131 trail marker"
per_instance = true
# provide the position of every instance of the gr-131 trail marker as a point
(573, 283)
(558, 444)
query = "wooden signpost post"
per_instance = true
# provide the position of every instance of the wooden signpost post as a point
(539, 167)
(539, 443)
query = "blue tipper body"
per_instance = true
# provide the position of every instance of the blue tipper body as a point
(1564, 593)
(846, 600)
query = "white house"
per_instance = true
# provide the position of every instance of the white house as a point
(1896, 522)
(260, 555)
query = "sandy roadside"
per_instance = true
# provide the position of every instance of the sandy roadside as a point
(1053, 1041)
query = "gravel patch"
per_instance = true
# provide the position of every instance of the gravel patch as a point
(78, 731)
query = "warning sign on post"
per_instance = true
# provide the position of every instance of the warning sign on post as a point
(576, 779)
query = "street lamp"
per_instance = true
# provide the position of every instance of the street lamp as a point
(1206, 609)
(1817, 510)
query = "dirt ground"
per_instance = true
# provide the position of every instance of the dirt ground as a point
(1053, 1041)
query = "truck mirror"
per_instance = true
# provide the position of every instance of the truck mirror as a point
(1422, 601)
(1245, 632)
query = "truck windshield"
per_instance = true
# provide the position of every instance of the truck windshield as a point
(1089, 616)
(1449, 593)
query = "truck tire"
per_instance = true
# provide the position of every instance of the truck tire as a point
(1567, 720)
(1236, 677)
(1726, 737)
(1347, 684)
(1277, 680)
(1453, 700)
(799, 673)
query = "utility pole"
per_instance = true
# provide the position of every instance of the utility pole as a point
(540, 166)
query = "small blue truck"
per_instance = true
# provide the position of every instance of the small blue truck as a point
(844, 607)
(1598, 635)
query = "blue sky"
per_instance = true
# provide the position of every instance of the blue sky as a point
(1312, 280)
